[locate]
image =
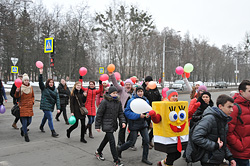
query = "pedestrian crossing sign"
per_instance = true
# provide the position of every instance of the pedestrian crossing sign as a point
(14, 69)
(101, 70)
(48, 45)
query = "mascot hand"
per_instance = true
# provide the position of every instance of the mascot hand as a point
(152, 113)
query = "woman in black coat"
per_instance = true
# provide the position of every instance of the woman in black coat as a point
(75, 96)
(64, 94)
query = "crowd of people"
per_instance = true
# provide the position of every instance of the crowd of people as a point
(221, 131)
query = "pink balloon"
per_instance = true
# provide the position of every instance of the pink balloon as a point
(117, 75)
(82, 71)
(104, 77)
(39, 64)
(163, 92)
(18, 83)
(179, 70)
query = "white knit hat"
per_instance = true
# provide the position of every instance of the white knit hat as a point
(25, 77)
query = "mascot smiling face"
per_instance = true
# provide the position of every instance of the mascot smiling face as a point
(174, 118)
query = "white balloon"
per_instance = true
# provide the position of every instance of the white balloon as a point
(140, 106)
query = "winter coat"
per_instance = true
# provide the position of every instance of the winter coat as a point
(109, 110)
(90, 101)
(191, 109)
(2, 94)
(74, 106)
(151, 94)
(124, 95)
(206, 135)
(63, 94)
(49, 97)
(100, 96)
(12, 93)
(238, 136)
(26, 101)
(135, 122)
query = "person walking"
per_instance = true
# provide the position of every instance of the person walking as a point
(90, 102)
(26, 102)
(238, 135)
(15, 100)
(151, 95)
(49, 98)
(109, 110)
(2, 94)
(64, 94)
(137, 123)
(100, 96)
(211, 132)
(77, 98)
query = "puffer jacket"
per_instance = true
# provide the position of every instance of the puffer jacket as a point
(49, 97)
(26, 102)
(74, 105)
(63, 94)
(238, 136)
(90, 101)
(135, 122)
(206, 135)
(151, 94)
(109, 110)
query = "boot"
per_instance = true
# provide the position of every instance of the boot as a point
(83, 140)
(90, 132)
(41, 128)
(54, 134)
(14, 126)
(86, 128)
(26, 138)
(57, 117)
(66, 122)
(68, 133)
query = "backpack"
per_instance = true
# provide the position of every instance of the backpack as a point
(195, 153)
(239, 113)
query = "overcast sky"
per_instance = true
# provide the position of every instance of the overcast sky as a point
(219, 21)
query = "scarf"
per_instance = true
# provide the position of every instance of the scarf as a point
(25, 89)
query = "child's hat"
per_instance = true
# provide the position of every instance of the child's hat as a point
(112, 89)
(170, 93)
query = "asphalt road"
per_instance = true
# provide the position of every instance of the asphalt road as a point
(46, 150)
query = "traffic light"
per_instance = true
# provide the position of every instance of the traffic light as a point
(52, 62)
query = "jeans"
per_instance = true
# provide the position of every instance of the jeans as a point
(26, 121)
(241, 162)
(74, 126)
(63, 109)
(132, 140)
(47, 115)
(91, 119)
(109, 137)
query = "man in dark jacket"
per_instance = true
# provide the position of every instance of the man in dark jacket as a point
(210, 133)
(15, 100)
(151, 95)
(109, 110)
(239, 128)
(137, 122)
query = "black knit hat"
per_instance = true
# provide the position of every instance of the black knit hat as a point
(112, 89)
(206, 93)
(138, 88)
(148, 78)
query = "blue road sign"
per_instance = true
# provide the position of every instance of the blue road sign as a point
(14, 69)
(101, 70)
(48, 45)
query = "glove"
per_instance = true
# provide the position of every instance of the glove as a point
(197, 105)
(152, 113)
(100, 82)
(80, 77)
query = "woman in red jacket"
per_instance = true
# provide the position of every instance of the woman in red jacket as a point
(90, 102)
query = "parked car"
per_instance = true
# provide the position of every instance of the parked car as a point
(221, 85)
(179, 85)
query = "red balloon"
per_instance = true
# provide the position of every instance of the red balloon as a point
(104, 77)
(133, 79)
(82, 71)
(186, 74)
(117, 75)
(18, 83)
(163, 92)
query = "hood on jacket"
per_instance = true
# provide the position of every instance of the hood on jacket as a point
(217, 112)
(241, 100)
(110, 98)
(204, 105)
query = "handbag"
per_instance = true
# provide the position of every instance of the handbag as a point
(83, 109)
(15, 111)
